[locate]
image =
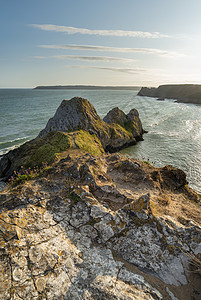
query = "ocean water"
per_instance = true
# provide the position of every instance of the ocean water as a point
(174, 129)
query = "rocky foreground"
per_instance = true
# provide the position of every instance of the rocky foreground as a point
(98, 226)
(187, 93)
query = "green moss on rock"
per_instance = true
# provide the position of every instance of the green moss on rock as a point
(60, 140)
(117, 131)
(48, 149)
(132, 126)
(89, 143)
(75, 124)
(74, 197)
(46, 153)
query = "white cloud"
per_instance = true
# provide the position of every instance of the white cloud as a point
(120, 33)
(93, 58)
(38, 57)
(114, 49)
(122, 70)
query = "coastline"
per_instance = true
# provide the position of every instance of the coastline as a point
(86, 87)
(182, 93)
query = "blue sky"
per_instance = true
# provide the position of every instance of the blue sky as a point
(108, 42)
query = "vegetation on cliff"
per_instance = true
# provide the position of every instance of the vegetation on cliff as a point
(75, 124)
(188, 93)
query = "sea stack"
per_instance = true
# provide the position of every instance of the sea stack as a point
(75, 124)
(116, 131)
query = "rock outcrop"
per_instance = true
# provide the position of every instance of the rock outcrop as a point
(75, 124)
(187, 93)
(103, 227)
(78, 223)
(79, 113)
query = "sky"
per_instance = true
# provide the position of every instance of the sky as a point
(93, 42)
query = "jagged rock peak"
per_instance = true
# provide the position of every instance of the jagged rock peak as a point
(128, 121)
(79, 113)
(75, 124)
(115, 115)
(74, 114)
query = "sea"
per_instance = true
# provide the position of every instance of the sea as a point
(174, 129)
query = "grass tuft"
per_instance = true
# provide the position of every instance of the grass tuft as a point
(89, 143)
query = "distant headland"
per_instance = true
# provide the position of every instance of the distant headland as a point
(187, 93)
(86, 87)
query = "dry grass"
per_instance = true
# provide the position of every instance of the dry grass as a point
(195, 262)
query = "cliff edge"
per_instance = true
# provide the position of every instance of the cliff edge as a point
(104, 227)
(187, 93)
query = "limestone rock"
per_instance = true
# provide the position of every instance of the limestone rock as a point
(74, 125)
(73, 115)
(125, 129)
(98, 228)
(79, 113)
(130, 122)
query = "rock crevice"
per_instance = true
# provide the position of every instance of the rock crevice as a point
(90, 238)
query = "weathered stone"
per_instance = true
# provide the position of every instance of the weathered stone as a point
(140, 208)
(74, 125)
(173, 177)
(79, 113)
(60, 258)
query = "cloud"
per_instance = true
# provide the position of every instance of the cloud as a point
(114, 49)
(122, 70)
(39, 57)
(119, 33)
(93, 58)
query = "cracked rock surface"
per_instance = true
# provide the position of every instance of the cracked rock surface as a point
(100, 228)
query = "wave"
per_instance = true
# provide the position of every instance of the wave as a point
(16, 140)
(12, 144)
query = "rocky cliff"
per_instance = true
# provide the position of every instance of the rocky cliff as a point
(75, 124)
(120, 131)
(85, 87)
(97, 226)
(187, 93)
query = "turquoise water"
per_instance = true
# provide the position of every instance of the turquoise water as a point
(174, 129)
